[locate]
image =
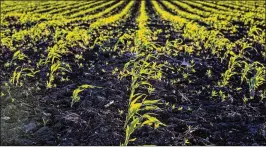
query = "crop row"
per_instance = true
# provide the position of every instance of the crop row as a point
(40, 45)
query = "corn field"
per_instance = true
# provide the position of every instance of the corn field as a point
(133, 72)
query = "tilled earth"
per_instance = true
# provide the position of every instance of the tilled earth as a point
(45, 117)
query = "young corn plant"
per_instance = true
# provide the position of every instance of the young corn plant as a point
(230, 71)
(53, 54)
(257, 80)
(125, 40)
(139, 107)
(23, 72)
(75, 95)
(51, 76)
(15, 79)
(19, 55)
(246, 72)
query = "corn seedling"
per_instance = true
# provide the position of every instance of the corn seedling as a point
(23, 72)
(209, 73)
(51, 76)
(257, 80)
(75, 95)
(138, 112)
(230, 71)
(19, 55)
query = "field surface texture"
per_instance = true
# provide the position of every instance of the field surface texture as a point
(133, 72)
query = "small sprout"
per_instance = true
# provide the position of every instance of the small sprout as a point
(245, 99)
(221, 93)
(180, 108)
(150, 90)
(75, 95)
(173, 107)
(6, 84)
(120, 112)
(223, 97)
(12, 100)
(186, 141)
(185, 75)
(209, 73)
(19, 55)
(7, 64)
(214, 93)
(77, 56)
(116, 69)
(81, 65)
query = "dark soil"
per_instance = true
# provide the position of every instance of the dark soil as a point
(45, 116)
